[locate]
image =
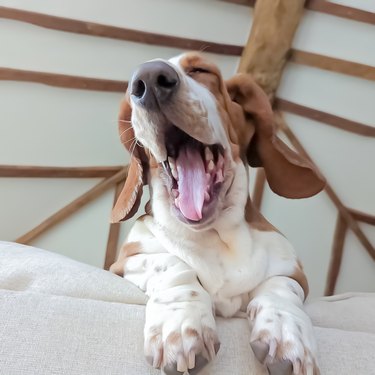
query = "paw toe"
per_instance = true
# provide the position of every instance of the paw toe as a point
(260, 350)
(200, 362)
(283, 367)
(171, 370)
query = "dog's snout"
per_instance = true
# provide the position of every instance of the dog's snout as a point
(153, 83)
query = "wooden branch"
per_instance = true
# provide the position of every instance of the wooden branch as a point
(327, 7)
(106, 31)
(249, 3)
(86, 83)
(314, 114)
(113, 235)
(352, 223)
(363, 217)
(62, 80)
(260, 183)
(57, 172)
(74, 206)
(336, 256)
(270, 40)
(332, 64)
(344, 212)
(342, 11)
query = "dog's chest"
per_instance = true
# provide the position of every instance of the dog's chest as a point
(229, 265)
(240, 264)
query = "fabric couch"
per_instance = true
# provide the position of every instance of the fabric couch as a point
(62, 317)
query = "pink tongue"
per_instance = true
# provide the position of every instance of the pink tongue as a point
(192, 183)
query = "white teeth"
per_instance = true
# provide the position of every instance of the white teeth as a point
(172, 165)
(208, 154)
(171, 161)
(210, 166)
(219, 176)
(174, 174)
(220, 161)
(206, 196)
(177, 203)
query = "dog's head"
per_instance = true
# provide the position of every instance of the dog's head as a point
(180, 119)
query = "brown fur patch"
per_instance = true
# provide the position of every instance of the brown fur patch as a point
(283, 348)
(127, 250)
(174, 338)
(256, 219)
(190, 332)
(194, 294)
(263, 335)
(299, 276)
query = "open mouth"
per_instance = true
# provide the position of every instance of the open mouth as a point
(195, 174)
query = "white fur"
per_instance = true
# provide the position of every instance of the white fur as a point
(227, 268)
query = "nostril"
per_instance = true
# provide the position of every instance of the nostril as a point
(139, 88)
(166, 82)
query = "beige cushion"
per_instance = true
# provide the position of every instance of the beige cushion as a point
(28, 268)
(349, 311)
(61, 317)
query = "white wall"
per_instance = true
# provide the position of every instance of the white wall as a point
(43, 125)
(346, 159)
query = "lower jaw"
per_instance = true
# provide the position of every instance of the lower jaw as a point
(207, 219)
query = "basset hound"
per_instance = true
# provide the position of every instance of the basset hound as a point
(202, 248)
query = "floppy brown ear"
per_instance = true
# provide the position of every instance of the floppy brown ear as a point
(288, 173)
(130, 197)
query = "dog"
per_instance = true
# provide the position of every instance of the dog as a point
(202, 248)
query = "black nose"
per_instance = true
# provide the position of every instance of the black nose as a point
(153, 83)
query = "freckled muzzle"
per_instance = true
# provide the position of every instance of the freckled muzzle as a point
(153, 84)
(170, 119)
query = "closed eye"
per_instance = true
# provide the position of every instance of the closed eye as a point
(198, 70)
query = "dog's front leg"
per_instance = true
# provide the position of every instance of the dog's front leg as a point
(282, 336)
(180, 331)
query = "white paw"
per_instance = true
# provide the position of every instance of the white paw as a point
(180, 337)
(282, 337)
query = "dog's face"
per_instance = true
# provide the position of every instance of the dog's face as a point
(178, 109)
(193, 129)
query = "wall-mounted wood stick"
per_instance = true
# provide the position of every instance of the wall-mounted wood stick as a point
(270, 40)
(250, 3)
(114, 234)
(342, 11)
(363, 217)
(327, 118)
(74, 206)
(260, 183)
(332, 64)
(106, 31)
(57, 172)
(336, 256)
(62, 80)
(77, 82)
(327, 7)
(351, 222)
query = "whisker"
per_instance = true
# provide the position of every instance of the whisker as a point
(119, 120)
(129, 140)
(125, 131)
(139, 144)
(134, 146)
(204, 47)
(131, 152)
